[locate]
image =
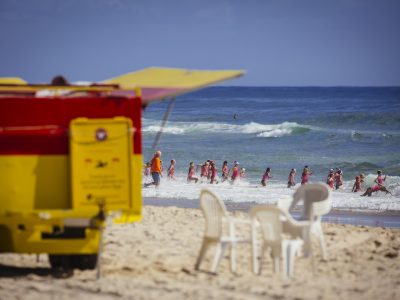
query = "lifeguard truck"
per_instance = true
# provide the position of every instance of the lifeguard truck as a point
(72, 155)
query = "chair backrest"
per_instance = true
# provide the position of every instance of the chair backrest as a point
(214, 210)
(316, 198)
(269, 218)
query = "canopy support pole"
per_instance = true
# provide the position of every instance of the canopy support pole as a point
(164, 121)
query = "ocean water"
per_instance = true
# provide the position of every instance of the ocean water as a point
(354, 129)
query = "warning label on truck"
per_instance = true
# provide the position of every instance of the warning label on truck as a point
(101, 151)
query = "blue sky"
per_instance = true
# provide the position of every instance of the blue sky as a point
(279, 43)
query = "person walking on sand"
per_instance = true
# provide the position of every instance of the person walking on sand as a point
(357, 185)
(292, 178)
(155, 169)
(171, 170)
(225, 171)
(191, 173)
(305, 176)
(266, 177)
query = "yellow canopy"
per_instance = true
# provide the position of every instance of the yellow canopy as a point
(153, 83)
(156, 77)
(12, 80)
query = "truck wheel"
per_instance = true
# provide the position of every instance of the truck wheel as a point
(84, 261)
(73, 261)
(59, 261)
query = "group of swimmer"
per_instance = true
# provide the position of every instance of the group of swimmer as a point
(208, 173)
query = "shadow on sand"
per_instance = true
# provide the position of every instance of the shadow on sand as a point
(13, 271)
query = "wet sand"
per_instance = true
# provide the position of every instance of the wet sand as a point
(389, 219)
(154, 259)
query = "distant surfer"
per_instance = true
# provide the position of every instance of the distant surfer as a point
(235, 116)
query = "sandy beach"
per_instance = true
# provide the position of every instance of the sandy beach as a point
(154, 259)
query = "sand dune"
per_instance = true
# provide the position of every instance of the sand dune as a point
(154, 259)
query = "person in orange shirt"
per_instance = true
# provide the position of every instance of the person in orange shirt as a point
(155, 169)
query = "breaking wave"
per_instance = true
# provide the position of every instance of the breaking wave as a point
(257, 129)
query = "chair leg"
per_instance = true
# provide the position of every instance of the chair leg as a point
(219, 252)
(291, 250)
(203, 250)
(276, 256)
(321, 240)
(233, 257)
(254, 257)
(276, 264)
(307, 242)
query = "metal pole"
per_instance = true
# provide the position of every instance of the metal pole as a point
(164, 121)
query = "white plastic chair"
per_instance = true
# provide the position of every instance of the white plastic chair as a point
(269, 219)
(216, 216)
(317, 202)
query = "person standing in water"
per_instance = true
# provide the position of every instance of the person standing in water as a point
(213, 172)
(235, 172)
(171, 170)
(266, 176)
(191, 173)
(204, 170)
(357, 185)
(292, 178)
(155, 169)
(242, 174)
(225, 171)
(330, 181)
(338, 179)
(362, 177)
(305, 176)
(379, 180)
(331, 172)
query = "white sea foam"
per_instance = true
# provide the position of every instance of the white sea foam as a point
(260, 130)
(247, 192)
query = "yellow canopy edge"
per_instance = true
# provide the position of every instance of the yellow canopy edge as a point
(12, 80)
(172, 78)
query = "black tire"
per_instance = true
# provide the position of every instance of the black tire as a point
(73, 261)
(59, 261)
(84, 261)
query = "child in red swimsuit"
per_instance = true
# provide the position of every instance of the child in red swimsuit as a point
(171, 170)
(266, 176)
